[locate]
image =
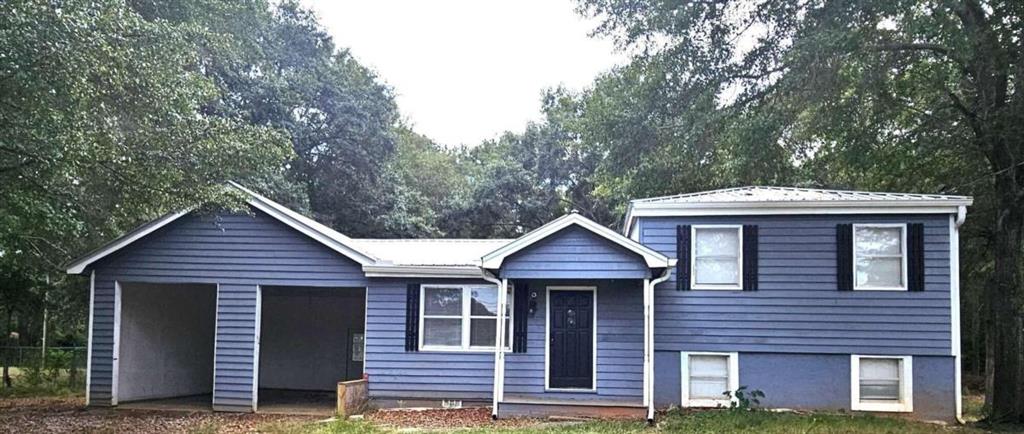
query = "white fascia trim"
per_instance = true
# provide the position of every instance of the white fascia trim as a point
(78, 267)
(326, 236)
(906, 405)
(383, 270)
(652, 258)
(313, 232)
(785, 208)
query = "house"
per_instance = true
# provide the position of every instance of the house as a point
(822, 299)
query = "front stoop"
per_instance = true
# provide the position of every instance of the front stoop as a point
(547, 408)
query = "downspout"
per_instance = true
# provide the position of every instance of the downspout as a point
(954, 270)
(499, 346)
(650, 338)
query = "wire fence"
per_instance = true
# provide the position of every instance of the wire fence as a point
(32, 357)
(59, 367)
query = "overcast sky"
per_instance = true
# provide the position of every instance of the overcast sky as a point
(463, 70)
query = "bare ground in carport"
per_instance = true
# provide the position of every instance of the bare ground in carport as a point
(69, 415)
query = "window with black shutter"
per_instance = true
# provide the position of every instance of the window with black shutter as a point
(521, 306)
(844, 256)
(683, 258)
(412, 317)
(750, 262)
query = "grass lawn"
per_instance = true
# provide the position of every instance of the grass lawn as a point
(762, 422)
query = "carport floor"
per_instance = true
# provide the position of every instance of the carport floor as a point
(177, 403)
(316, 403)
(271, 401)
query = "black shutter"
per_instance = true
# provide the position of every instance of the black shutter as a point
(412, 317)
(683, 258)
(844, 257)
(915, 256)
(519, 317)
(750, 257)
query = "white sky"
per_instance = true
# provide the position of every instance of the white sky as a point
(464, 71)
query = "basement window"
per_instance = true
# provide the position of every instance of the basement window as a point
(881, 383)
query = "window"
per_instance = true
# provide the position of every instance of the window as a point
(879, 257)
(717, 260)
(706, 377)
(358, 345)
(461, 317)
(881, 383)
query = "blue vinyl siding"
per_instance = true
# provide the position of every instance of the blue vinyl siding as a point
(426, 375)
(236, 251)
(816, 382)
(620, 346)
(798, 308)
(573, 253)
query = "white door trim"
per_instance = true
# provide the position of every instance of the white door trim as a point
(547, 338)
(257, 328)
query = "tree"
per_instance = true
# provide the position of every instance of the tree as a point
(103, 126)
(897, 82)
(275, 65)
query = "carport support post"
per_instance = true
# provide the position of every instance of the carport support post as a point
(499, 348)
(236, 352)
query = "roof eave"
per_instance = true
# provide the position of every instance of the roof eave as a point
(652, 259)
(423, 271)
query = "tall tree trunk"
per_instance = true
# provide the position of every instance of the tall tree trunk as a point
(1004, 298)
(7, 340)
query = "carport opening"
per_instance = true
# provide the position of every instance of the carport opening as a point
(310, 339)
(166, 343)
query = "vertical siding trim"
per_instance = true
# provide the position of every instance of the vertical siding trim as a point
(88, 350)
(256, 348)
(954, 301)
(115, 365)
(216, 336)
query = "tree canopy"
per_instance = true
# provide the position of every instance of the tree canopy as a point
(115, 111)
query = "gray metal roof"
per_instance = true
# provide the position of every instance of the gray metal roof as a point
(794, 194)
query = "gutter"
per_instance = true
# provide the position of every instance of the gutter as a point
(954, 269)
(650, 340)
(499, 347)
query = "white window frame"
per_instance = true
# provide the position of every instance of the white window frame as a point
(684, 375)
(738, 286)
(466, 317)
(906, 403)
(903, 256)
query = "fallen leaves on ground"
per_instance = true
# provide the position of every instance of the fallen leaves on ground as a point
(69, 415)
(443, 419)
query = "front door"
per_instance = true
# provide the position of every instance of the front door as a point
(571, 339)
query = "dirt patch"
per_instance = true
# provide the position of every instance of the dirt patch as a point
(69, 415)
(444, 419)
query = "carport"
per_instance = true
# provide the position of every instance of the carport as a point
(166, 342)
(261, 309)
(310, 339)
